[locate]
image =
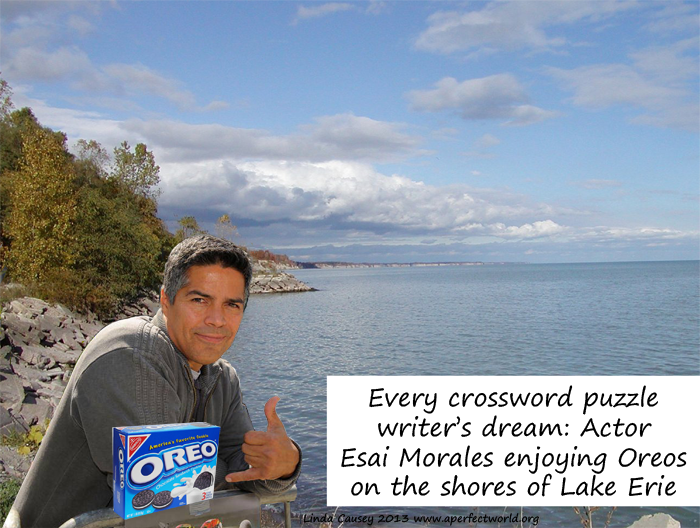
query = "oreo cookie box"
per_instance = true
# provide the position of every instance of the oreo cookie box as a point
(157, 467)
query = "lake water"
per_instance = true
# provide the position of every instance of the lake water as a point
(558, 319)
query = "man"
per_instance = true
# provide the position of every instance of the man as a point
(165, 370)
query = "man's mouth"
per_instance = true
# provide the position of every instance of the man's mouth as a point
(211, 338)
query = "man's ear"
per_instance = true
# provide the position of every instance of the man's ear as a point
(164, 302)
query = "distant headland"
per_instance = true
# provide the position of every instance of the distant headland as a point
(326, 265)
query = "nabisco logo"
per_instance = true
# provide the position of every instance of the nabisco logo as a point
(123, 440)
(135, 442)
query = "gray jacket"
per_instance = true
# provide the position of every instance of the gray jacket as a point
(130, 374)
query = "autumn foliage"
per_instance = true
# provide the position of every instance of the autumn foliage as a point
(74, 230)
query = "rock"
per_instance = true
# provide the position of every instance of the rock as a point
(66, 312)
(56, 312)
(20, 329)
(51, 390)
(5, 354)
(56, 372)
(11, 389)
(48, 322)
(279, 283)
(17, 425)
(67, 336)
(15, 464)
(33, 306)
(657, 520)
(151, 306)
(61, 346)
(90, 329)
(5, 418)
(65, 357)
(30, 374)
(35, 410)
(34, 355)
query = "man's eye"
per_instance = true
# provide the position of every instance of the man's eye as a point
(235, 305)
(198, 300)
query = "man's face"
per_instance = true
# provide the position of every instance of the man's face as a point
(205, 315)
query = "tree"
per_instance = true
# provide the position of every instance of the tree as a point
(92, 158)
(6, 105)
(41, 222)
(119, 253)
(188, 227)
(225, 229)
(136, 170)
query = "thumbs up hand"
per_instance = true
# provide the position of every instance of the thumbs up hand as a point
(270, 454)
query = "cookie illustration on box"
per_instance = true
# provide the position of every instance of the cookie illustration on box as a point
(143, 499)
(204, 480)
(162, 500)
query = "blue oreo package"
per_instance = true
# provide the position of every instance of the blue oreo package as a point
(157, 467)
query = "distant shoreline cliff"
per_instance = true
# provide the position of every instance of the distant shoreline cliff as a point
(327, 265)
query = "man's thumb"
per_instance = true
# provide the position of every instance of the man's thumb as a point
(271, 413)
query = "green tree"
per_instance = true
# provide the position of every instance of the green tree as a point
(225, 229)
(41, 221)
(136, 170)
(91, 160)
(6, 107)
(188, 227)
(6, 104)
(119, 253)
(73, 228)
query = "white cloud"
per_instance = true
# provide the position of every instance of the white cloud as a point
(349, 197)
(487, 141)
(492, 97)
(673, 64)
(603, 234)
(139, 78)
(29, 64)
(338, 137)
(343, 136)
(660, 80)
(72, 65)
(481, 146)
(604, 85)
(597, 184)
(376, 7)
(76, 124)
(510, 25)
(539, 229)
(34, 49)
(593, 244)
(22, 12)
(675, 18)
(80, 24)
(317, 11)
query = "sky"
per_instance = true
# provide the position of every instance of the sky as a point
(405, 131)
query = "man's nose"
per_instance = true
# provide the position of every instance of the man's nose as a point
(215, 316)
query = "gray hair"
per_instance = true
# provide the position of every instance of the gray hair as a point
(203, 250)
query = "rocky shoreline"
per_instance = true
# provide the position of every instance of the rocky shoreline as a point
(39, 345)
(277, 282)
